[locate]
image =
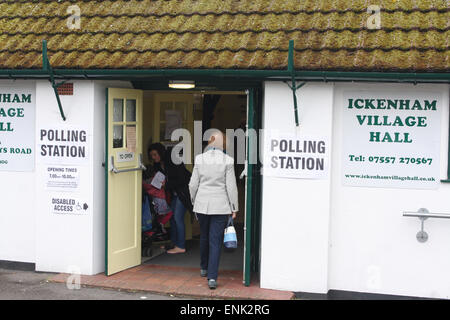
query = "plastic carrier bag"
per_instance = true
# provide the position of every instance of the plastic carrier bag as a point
(230, 237)
(146, 214)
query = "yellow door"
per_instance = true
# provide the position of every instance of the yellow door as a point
(124, 179)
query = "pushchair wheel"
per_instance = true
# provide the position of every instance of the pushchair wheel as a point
(145, 252)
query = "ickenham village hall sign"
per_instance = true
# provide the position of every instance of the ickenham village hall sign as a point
(391, 140)
(17, 127)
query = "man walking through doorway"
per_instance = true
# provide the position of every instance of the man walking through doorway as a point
(215, 197)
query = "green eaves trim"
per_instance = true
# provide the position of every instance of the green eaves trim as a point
(230, 73)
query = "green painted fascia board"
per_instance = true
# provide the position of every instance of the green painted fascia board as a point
(228, 73)
(106, 176)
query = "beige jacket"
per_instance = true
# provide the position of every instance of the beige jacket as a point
(213, 183)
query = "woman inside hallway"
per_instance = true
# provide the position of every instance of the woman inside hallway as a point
(176, 184)
(214, 195)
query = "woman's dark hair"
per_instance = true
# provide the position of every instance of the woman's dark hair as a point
(158, 147)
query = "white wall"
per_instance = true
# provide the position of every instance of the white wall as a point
(319, 235)
(65, 241)
(17, 211)
(295, 212)
(373, 248)
(76, 243)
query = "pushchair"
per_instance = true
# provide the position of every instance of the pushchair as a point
(153, 231)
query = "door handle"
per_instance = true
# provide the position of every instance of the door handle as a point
(141, 166)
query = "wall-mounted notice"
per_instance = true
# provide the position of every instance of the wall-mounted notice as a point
(174, 121)
(391, 139)
(299, 156)
(62, 178)
(17, 134)
(63, 145)
(131, 139)
(68, 205)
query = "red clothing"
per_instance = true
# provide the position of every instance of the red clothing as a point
(165, 218)
(161, 194)
(155, 192)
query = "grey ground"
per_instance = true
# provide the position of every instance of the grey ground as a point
(229, 260)
(29, 285)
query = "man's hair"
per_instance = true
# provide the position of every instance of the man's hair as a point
(219, 138)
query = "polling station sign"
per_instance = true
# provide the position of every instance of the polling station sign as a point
(68, 145)
(296, 156)
(391, 139)
(17, 123)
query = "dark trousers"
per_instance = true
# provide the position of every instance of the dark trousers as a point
(177, 227)
(211, 239)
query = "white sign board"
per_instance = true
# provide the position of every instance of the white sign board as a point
(124, 156)
(68, 205)
(391, 140)
(17, 134)
(65, 145)
(62, 178)
(299, 156)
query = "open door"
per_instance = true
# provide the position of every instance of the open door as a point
(123, 179)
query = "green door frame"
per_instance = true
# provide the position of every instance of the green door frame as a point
(249, 193)
(257, 186)
(106, 176)
(253, 192)
(253, 184)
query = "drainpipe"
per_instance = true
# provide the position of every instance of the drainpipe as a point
(46, 67)
(293, 84)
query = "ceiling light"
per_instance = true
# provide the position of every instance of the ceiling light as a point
(181, 84)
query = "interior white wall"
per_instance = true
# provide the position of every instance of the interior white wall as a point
(295, 212)
(373, 248)
(17, 212)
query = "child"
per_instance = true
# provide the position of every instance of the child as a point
(160, 202)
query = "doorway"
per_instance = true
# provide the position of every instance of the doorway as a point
(137, 118)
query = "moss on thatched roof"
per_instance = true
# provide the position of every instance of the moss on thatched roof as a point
(136, 34)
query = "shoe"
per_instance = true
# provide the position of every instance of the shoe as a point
(212, 284)
(203, 273)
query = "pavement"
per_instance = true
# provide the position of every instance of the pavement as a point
(162, 277)
(180, 282)
(30, 285)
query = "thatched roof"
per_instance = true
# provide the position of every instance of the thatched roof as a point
(192, 34)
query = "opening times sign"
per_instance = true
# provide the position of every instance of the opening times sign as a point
(62, 178)
(391, 140)
(17, 118)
